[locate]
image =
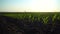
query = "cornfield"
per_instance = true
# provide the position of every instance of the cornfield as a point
(31, 23)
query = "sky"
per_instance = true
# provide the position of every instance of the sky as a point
(30, 5)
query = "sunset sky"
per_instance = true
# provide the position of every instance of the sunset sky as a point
(30, 5)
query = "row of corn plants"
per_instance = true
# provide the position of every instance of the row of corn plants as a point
(34, 16)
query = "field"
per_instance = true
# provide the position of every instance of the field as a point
(32, 16)
(34, 21)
